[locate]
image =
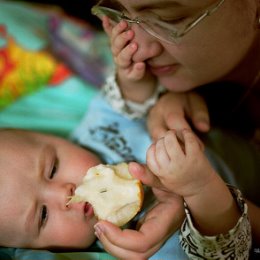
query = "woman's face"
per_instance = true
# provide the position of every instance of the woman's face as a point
(209, 52)
(38, 173)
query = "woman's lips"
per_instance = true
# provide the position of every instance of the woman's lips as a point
(88, 210)
(163, 70)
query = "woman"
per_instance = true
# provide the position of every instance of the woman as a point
(209, 47)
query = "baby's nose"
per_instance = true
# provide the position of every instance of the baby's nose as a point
(68, 192)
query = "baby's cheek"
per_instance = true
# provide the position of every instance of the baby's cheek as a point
(79, 236)
(81, 164)
(88, 236)
(68, 228)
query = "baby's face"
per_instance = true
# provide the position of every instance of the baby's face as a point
(37, 175)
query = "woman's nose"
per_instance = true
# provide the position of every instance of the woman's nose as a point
(148, 46)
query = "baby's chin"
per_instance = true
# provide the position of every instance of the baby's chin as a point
(87, 243)
(82, 245)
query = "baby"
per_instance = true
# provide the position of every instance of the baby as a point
(39, 173)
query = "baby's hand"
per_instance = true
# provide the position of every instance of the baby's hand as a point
(135, 81)
(178, 161)
(123, 49)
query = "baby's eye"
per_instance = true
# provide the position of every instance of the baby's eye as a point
(43, 216)
(54, 168)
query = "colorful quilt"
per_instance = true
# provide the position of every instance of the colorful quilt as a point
(50, 67)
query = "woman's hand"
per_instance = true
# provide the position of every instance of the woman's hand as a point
(152, 231)
(175, 111)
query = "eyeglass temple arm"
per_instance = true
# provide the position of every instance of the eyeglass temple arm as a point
(207, 13)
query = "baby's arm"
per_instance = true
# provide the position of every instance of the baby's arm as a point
(183, 168)
(131, 89)
(180, 164)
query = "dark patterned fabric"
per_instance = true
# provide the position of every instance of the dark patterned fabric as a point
(235, 244)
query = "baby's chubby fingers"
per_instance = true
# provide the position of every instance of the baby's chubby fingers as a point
(107, 26)
(161, 153)
(120, 37)
(124, 58)
(192, 145)
(138, 71)
(151, 159)
(157, 158)
(174, 144)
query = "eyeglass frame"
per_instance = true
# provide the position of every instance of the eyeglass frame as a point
(175, 36)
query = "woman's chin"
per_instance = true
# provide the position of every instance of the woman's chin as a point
(176, 84)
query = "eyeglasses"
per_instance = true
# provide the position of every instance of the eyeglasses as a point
(165, 31)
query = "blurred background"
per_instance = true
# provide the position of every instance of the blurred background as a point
(77, 8)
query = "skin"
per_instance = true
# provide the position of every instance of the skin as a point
(182, 167)
(209, 42)
(177, 168)
(28, 181)
(137, 54)
(46, 171)
(228, 52)
(202, 56)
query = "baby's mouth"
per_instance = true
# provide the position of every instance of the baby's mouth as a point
(88, 210)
